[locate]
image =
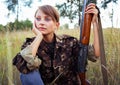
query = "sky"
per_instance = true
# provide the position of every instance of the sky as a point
(29, 13)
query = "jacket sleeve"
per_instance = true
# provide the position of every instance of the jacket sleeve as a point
(91, 53)
(32, 61)
(24, 58)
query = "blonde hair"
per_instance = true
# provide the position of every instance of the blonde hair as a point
(50, 11)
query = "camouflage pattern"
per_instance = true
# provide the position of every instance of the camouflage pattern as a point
(64, 61)
(33, 62)
(24, 61)
(59, 59)
(91, 54)
(20, 64)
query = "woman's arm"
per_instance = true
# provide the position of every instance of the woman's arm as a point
(29, 52)
(96, 39)
(35, 44)
(91, 8)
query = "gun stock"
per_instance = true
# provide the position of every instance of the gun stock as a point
(86, 29)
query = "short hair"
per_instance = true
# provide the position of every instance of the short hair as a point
(50, 11)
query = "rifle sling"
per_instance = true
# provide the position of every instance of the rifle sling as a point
(102, 53)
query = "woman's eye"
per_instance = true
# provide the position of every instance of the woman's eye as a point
(38, 19)
(47, 19)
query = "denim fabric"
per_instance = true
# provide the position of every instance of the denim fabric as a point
(32, 78)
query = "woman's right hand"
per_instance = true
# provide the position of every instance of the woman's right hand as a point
(35, 30)
(36, 42)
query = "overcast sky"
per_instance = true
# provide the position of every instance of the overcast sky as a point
(29, 13)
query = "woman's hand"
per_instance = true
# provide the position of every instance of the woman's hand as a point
(35, 44)
(91, 8)
(35, 30)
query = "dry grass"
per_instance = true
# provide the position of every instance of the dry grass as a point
(10, 43)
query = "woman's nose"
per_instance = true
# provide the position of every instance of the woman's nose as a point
(42, 22)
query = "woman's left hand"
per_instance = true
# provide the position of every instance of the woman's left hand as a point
(91, 8)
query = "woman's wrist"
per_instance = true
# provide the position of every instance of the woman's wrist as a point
(95, 21)
(39, 35)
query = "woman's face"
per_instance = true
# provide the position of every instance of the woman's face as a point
(45, 23)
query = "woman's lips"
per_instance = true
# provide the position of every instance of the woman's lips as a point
(42, 28)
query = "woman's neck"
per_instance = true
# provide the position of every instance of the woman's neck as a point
(48, 38)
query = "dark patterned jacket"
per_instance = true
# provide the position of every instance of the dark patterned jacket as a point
(59, 60)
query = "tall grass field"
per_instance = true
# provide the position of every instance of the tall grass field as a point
(10, 44)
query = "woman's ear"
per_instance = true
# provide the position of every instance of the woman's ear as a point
(57, 25)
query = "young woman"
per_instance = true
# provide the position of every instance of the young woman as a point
(55, 56)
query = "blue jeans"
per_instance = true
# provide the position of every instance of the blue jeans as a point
(32, 78)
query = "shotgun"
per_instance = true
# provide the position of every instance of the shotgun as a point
(85, 28)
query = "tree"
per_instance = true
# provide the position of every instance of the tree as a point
(66, 26)
(1, 27)
(106, 2)
(14, 6)
(72, 8)
(105, 5)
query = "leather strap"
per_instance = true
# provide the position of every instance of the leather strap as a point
(102, 53)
